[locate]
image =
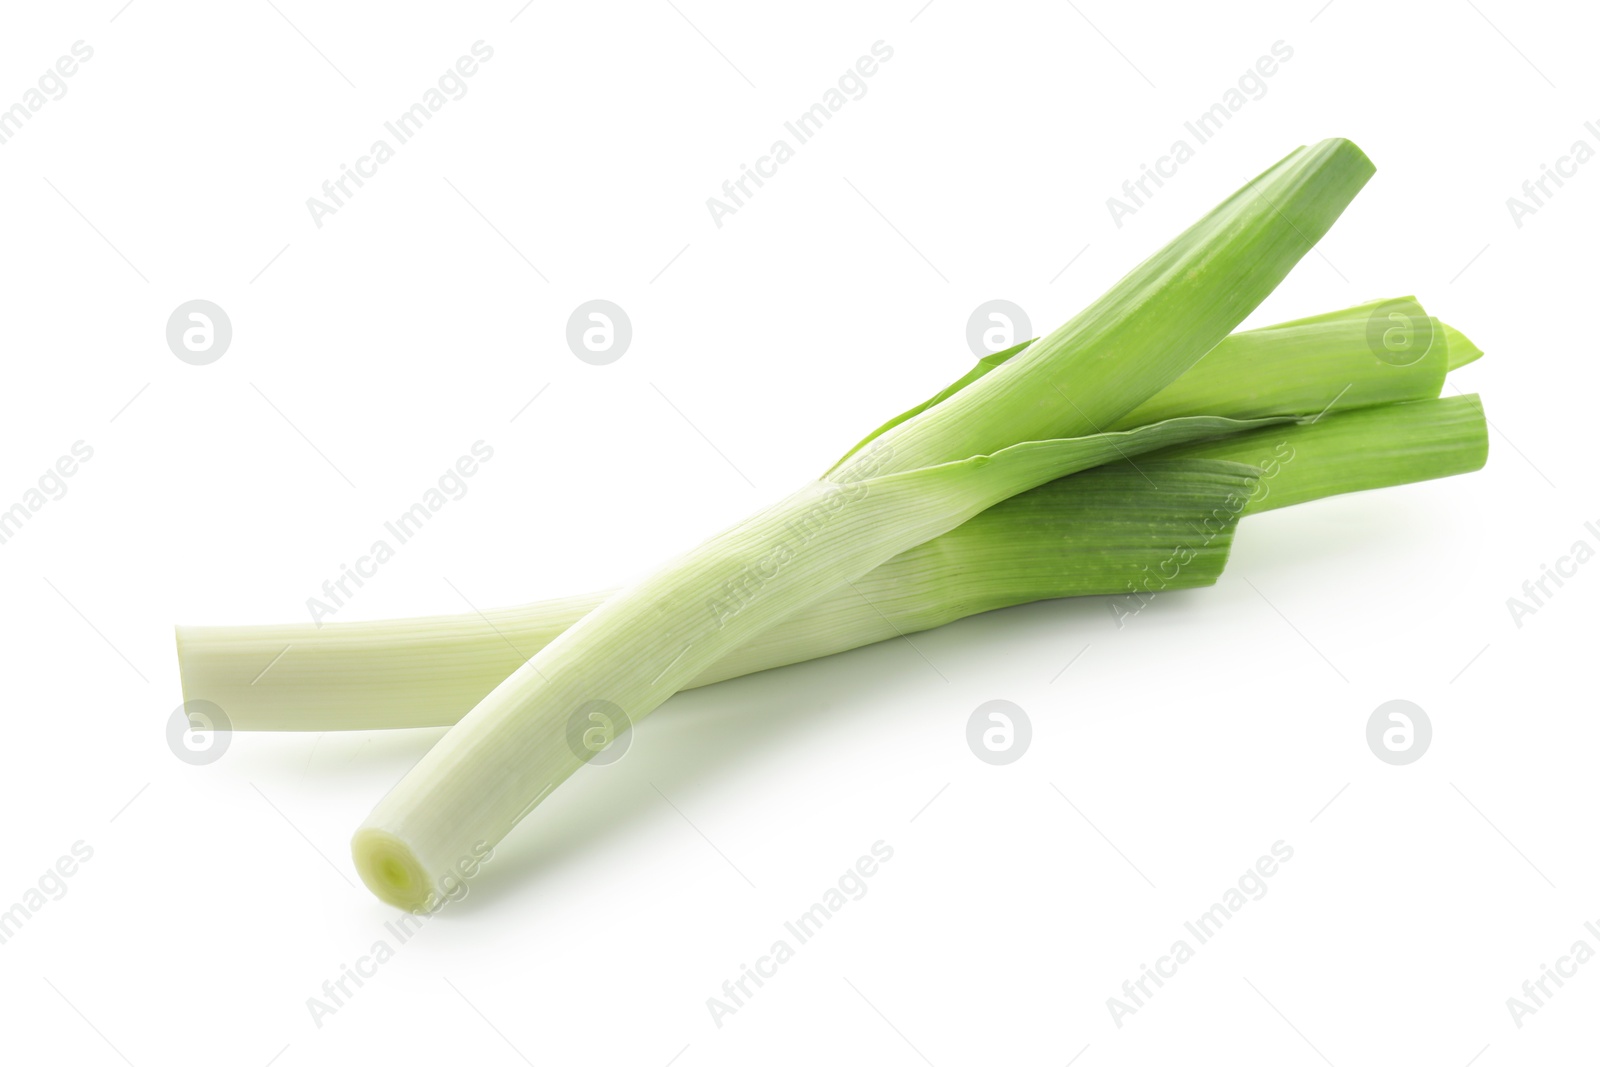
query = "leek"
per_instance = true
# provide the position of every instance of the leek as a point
(1375, 447)
(1091, 533)
(1000, 435)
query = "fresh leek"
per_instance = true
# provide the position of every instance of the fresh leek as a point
(1095, 532)
(1035, 418)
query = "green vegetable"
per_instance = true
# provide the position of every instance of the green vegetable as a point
(1367, 449)
(1097, 532)
(1002, 434)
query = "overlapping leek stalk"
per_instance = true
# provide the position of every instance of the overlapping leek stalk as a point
(1092, 533)
(1032, 419)
(428, 671)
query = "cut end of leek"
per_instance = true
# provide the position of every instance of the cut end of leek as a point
(391, 870)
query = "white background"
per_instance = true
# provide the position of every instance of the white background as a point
(371, 352)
